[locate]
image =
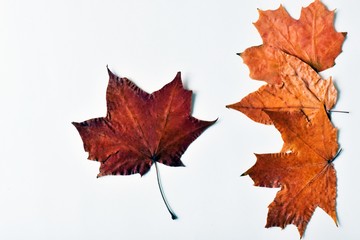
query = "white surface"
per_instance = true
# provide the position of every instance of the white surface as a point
(53, 57)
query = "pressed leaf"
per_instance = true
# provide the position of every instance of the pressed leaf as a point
(305, 172)
(292, 84)
(141, 129)
(312, 38)
(296, 100)
(264, 62)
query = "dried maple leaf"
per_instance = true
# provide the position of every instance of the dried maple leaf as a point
(312, 38)
(141, 129)
(296, 100)
(304, 172)
(292, 84)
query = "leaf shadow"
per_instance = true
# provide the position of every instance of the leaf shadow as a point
(185, 81)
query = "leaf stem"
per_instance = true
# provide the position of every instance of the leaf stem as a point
(173, 215)
(339, 111)
(336, 155)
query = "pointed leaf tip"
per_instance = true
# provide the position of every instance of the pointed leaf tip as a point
(109, 71)
(178, 77)
(111, 74)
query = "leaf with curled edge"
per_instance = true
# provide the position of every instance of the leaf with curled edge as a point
(312, 38)
(304, 172)
(141, 129)
(292, 84)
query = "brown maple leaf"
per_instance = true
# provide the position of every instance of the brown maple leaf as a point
(303, 170)
(141, 129)
(292, 84)
(312, 38)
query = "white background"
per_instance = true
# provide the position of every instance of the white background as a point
(53, 57)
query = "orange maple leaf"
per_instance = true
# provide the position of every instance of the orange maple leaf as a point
(303, 169)
(296, 100)
(292, 84)
(312, 38)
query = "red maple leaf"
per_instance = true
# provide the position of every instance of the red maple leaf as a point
(141, 129)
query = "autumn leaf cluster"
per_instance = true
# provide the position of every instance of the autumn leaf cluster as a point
(142, 129)
(297, 101)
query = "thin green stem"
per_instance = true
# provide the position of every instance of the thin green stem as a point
(173, 215)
